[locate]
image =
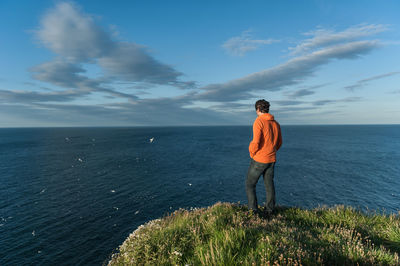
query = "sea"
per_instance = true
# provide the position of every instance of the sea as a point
(71, 196)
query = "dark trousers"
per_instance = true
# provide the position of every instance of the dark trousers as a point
(257, 169)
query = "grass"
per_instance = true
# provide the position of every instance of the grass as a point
(227, 234)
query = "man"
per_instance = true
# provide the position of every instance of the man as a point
(267, 139)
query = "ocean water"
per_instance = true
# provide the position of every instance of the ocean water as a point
(70, 196)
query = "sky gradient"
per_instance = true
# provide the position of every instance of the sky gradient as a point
(170, 63)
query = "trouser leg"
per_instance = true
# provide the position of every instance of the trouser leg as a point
(253, 174)
(268, 177)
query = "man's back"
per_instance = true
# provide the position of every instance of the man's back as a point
(267, 139)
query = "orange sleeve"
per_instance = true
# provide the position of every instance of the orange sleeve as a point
(279, 144)
(255, 143)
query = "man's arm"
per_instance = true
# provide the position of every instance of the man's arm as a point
(255, 143)
(279, 144)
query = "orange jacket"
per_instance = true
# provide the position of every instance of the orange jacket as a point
(267, 139)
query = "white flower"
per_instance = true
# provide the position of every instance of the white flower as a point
(177, 253)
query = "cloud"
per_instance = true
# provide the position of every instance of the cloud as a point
(323, 37)
(315, 103)
(296, 109)
(300, 93)
(28, 97)
(127, 65)
(131, 62)
(345, 100)
(75, 37)
(292, 72)
(244, 43)
(363, 82)
(305, 91)
(160, 112)
(60, 73)
(29, 83)
(285, 103)
(229, 107)
(68, 32)
(69, 75)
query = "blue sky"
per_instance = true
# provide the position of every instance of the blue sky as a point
(167, 63)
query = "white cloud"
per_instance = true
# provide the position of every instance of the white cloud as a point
(132, 64)
(71, 76)
(364, 82)
(60, 72)
(75, 37)
(29, 97)
(292, 72)
(244, 43)
(304, 91)
(160, 112)
(319, 50)
(323, 37)
(68, 32)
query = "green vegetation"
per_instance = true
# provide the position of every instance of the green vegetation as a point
(227, 234)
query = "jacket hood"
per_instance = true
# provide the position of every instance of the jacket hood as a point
(267, 116)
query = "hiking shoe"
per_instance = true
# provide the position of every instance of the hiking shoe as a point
(252, 213)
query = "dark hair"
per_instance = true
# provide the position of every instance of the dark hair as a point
(262, 105)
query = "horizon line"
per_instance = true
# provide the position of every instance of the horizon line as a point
(150, 126)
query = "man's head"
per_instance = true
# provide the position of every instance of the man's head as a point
(262, 107)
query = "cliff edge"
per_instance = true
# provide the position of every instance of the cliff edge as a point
(227, 234)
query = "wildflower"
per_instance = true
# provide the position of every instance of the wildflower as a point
(177, 253)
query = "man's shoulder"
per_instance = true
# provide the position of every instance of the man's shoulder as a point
(258, 121)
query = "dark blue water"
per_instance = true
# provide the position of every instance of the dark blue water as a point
(70, 196)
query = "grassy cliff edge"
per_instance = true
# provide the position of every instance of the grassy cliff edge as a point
(227, 234)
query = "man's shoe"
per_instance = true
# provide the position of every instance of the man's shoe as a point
(252, 212)
(268, 213)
